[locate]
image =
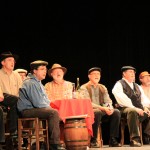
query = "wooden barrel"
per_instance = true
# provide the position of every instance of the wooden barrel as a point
(76, 134)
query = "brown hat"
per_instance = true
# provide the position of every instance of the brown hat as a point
(21, 71)
(5, 55)
(144, 73)
(55, 66)
(37, 63)
(124, 68)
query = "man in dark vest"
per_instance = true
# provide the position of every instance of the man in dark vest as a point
(129, 98)
(102, 106)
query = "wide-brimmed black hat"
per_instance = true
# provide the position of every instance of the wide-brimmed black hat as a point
(124, 68)
(5, 55)
(94, 69)
(37, 63)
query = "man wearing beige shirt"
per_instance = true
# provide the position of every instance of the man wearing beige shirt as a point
(10, 82)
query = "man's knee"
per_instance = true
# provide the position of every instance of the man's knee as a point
(117, 113)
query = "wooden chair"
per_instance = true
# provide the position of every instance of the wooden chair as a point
(123, 123)
(34, 131)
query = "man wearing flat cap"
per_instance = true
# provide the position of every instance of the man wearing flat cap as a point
(34, 102)
(58, 88)
(102, 106)
(10, 82)
(131, 103)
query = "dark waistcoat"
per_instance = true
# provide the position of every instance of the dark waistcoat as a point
(134, 94)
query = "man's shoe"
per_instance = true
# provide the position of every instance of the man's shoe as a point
(146, 139)
(25, 143)
(94, 145)
(135, 142)
(114, 143)
(14, 134)
(57, 147)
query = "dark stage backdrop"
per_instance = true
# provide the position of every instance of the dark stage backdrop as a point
(78, 35)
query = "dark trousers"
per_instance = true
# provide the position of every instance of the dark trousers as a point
(2, 129)
(53, 121)
(10, 101)
(113, 119)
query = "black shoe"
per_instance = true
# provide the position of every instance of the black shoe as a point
(94, 144)
(146, 139)
(2, 145)
(14, 134)
(57, 147)
(25, 143)
(114, 143)
(135, 142)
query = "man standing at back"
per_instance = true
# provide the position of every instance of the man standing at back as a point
(10, 82)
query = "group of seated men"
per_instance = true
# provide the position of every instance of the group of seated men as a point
(27, 97)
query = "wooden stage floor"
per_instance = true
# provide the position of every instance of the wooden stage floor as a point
(125, 147)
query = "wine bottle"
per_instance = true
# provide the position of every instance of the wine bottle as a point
(73, 91)
(78, 84)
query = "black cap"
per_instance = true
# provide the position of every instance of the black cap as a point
(37, 63)
(124, 68)
(94, 69)
(5, 55)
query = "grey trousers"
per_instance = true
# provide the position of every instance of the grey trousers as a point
(53, 121)
(132, 119)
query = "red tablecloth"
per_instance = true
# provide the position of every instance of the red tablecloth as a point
(75, 107)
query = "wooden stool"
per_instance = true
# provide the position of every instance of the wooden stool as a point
(123, 124)
(99, 138)
(31, 128)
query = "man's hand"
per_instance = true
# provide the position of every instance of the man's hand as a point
(146, 110)
(1, 99)
(109, 111)
(140, 111)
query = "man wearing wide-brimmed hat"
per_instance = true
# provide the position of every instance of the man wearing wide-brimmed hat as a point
(131, 103)
(58, 88)
(10, 82)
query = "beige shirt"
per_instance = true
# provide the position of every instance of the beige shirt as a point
(9, 84)
(57, 91)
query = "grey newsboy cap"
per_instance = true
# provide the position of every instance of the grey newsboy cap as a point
(37, 63)
(124, 68)
(94, 69)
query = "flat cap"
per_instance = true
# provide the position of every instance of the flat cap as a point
(124, 68)
(37, 63)
(94, 69)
